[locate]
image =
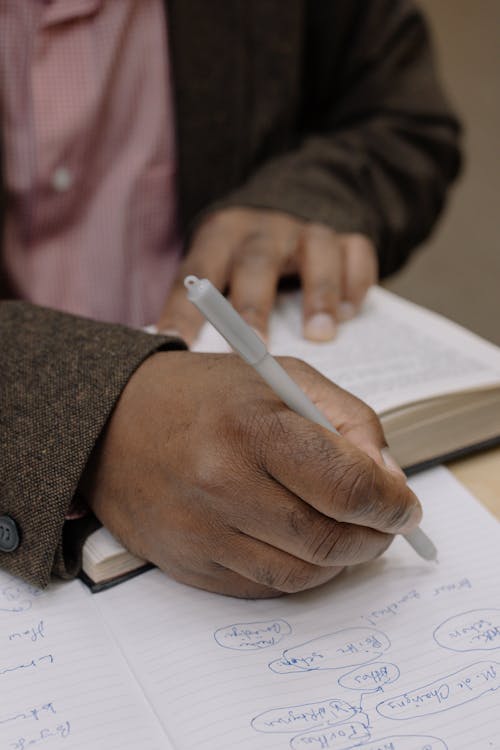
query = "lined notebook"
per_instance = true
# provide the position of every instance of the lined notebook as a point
(395, 655)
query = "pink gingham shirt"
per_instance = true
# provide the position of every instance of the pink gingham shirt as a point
(89, 156)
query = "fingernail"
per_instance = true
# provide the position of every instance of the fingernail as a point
(320, 327)
(391, 463)
(346, 310)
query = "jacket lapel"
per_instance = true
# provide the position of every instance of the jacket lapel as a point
(237, 69)
(208, 60)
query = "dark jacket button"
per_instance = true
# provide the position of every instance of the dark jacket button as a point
(9, 534)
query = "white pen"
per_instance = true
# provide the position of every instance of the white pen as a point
(245, 342)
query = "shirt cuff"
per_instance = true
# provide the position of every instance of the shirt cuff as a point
(77, 509)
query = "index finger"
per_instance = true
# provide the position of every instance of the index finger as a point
(255, 272)
(353, 418)
(360, 270)
(208, 258)
(337, 479)
(320, 273)
(341, 476)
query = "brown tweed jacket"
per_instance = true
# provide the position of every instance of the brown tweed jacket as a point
(327, 109)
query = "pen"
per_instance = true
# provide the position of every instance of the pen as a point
(245, 342)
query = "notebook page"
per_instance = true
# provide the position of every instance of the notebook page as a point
(398, 655)
(63, 681)
(392, 353)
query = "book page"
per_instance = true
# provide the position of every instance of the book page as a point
(63, 681)
(103, 556)
(392, 353)
(399, 654)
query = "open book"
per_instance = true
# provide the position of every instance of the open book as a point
(398, 654)
(435, 386)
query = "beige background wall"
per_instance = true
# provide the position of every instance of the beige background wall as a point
(457, 272)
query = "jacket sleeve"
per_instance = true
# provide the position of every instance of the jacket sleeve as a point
(60, 377)
(378, 142)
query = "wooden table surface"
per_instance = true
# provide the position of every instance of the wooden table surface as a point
(480, 473)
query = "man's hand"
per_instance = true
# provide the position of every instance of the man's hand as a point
(249, 250)
(205, 472)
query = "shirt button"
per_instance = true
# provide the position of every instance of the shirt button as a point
(62, 179)
(9, 534)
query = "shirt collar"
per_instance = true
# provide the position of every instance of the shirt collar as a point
(61, 11)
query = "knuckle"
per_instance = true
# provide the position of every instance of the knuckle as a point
(209, 473)
(294, 364)
(352, 487)
(254, 315)
(393, 503)
(362, 415)
(374, 427)
(346, 544)
(259, 430)
(259, 423)
(214, 220)
(257, 252)
(400, 511)
(292, 578)
(325, 287)
(318, 231)
(363, 497)
(359, 243)
(299, 520)
(327, 543)
(351, 546)
(322, 295)
(367, 414)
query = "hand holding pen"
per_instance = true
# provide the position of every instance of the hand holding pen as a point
(203, 470)
(216, 309)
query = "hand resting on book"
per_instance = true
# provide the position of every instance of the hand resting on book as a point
(203, 471)
(249, 250)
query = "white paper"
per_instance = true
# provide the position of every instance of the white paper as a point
(63, 682)
(392, 353)
(399, 654)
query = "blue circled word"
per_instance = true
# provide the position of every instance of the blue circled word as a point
(476, 630)
(344, 648)
(304, 717)
(468, 684)
(371, 676)
(252, 636)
